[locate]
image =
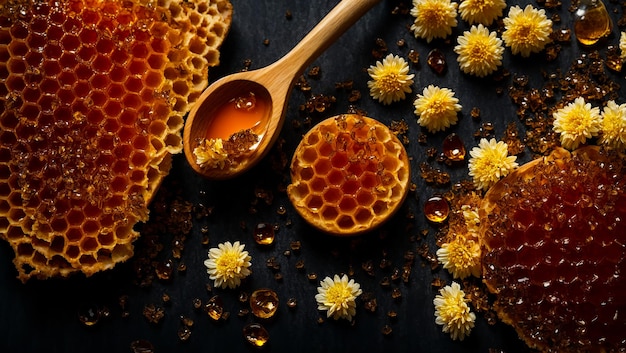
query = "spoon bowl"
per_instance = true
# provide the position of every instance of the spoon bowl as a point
(272, 84)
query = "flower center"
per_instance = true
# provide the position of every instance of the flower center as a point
(390, 82)
(434, 16)
(461, 255)
(228, 264)
(338, 294)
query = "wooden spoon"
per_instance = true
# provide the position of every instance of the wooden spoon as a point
(272, 83)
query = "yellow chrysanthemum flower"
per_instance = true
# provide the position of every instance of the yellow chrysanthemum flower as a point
(433, 18)
(437, 108)
(622, 45)
(614, 125)
(479, 51)
(481, 11)
(576, 122)
(228, 264)
(461, 256)
(526, 31)
(471, 217)
(489, 162)
(337, 296)
(390, 79)
(210, 153)
(453, 312)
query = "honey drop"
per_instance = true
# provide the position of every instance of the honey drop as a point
(453, 148)
(264, 303)
(437, 61)
(214, 308)
(256, 334)
(591, 22)
(436, 209)
(264, 234)
(89, 316)
(142, 346)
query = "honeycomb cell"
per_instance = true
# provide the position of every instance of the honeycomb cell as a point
(87, 81)
(153, 79)
(340, 168)
(322, 166)
(332, 195)
(70, 42)
(102, 63)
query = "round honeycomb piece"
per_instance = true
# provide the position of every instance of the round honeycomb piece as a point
(348, 175)
(92, 99)
(553, 234)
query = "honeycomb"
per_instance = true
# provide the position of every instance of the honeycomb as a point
(554, 243)
(92, 99)
(348, 174)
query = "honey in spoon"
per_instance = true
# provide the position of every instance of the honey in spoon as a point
(208, 149)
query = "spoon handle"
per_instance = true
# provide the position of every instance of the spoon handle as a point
(331, 27)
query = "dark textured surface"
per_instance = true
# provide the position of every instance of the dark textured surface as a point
(42, 316)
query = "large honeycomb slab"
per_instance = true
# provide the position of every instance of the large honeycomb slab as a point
(554, 247)
(348, 175)
(92, 99)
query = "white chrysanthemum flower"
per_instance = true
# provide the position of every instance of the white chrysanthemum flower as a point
(228, 264)
(489, 162)
(337, 296)
(390, 79)
(471, 217)
(481, 11)
(433, 18)
(210, 153)
(437, 108)
(453, 312)
(526, 31)
(577, 122)
(461, 257)
(614, 125)
(479, 51)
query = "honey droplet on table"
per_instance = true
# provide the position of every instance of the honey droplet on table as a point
(214, 308)
(264, 303)
(164, 270)
(264, 234)
(142, 346)
(436, 209)
(89, 316)
(453, 148)
(437, 61)
(256, 334)
(591, 22)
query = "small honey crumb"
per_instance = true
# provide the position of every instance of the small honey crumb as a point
(153, 313)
